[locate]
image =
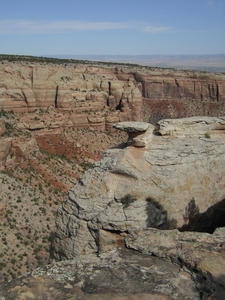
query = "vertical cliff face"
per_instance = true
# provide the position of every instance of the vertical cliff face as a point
(100, 95)
(92, 95)
(174, 94)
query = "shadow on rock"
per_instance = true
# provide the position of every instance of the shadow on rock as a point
(208, 221)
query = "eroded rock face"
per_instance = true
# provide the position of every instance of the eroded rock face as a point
(202, 253)
(134, 188)
(93, 95)
(89, 96)
(15, 150)
(119, 275)
(159, 265)
(193, 127)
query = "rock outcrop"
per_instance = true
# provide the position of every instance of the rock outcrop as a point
(99, 95)
(202, 254)
(165, 265)
(109, 231)
(119, 275)
(15, 150)
(164, 182)
(193, 127)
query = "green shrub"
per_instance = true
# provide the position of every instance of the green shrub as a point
(207, 135)
(127, 200)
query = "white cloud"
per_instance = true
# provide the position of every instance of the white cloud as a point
(45, 27)
(39, 27)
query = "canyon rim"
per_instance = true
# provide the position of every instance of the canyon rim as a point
(134, 205)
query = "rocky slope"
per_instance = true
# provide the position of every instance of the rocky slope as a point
(37, 169)
(100, 94)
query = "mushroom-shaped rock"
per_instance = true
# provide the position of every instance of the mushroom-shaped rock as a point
(139, 133)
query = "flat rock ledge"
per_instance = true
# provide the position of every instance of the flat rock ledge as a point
(132, 126)
(139, 133)
(198, 126)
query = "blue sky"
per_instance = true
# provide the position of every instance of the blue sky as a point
(115, 27)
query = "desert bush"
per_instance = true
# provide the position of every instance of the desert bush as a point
(127, 200)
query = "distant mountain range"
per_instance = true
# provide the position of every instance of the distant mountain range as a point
(214, 63)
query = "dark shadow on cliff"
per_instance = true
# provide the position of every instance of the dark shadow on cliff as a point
(120, 146)
(208, 221)
(219, 285)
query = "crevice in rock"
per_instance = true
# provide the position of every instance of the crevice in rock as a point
(24, 97)
(177, 83)
(157, 216)
(217, 92)
(110, 88)
(118, 107)
(123, 174)
(32, 78)
(204, 283)
(209, 91)
(56, 96)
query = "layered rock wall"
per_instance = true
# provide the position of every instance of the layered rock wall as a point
(92, 95)
(100, 95)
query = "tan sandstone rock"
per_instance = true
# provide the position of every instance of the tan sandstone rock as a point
(117, 275)
(136, 93)
(167, 184)
(200, 252)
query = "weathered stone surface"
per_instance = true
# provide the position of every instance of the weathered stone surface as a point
(139, 133)
(193, 126)
(169, 184)
(15, 150)
(136, 93)
(117, 275)
(132, 127)
(80, 89)
(201, 253)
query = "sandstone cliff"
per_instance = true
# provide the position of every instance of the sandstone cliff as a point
(168, 176)
(98, 95)
(162, 181)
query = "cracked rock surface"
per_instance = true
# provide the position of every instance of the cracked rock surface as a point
(165, 184)
(117, 275)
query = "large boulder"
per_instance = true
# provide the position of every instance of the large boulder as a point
(166, 182)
